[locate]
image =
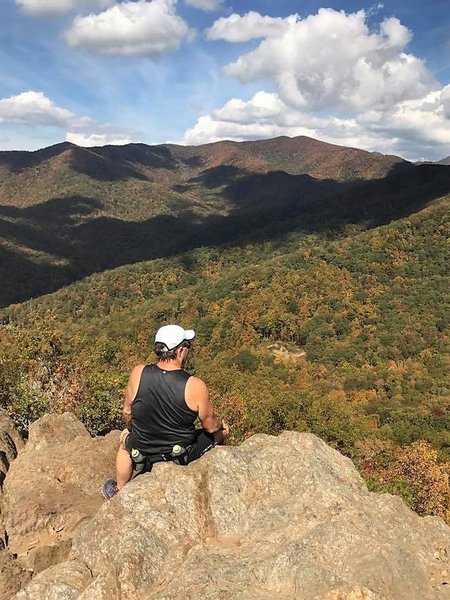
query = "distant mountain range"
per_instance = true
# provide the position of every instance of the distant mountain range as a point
(296, 156)
(66, 211)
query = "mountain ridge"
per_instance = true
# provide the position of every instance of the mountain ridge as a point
(70, 211)
(264, 154)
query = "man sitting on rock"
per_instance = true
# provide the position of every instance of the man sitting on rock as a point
(162, 403)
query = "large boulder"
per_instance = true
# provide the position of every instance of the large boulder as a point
(53, 487)
(55, 430)
(278, 518)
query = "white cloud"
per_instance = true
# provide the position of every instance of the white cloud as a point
(266, 115)
(96, 139)
(330, 60)
(208, 130)
(262, 107)
(207, 5)
(131, 28)
(56, 7)
(251, 26)
(374, 9)
(424, 120)
(445, 99)
(34, 109)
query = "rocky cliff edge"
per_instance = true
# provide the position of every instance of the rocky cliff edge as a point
(276, 518)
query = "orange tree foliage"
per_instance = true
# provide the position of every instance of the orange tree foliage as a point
(414, 471)
(418, 465)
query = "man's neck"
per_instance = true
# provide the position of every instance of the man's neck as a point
(169, 365)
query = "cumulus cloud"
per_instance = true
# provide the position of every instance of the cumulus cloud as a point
(208, 130)
(327, 60)
(207, 5)
(424, 120)
(263, 107)
(34, 109)
(251, 26)
(266, 115)
(445, 99)
(131, 28)
(96, 139)
(56, 7)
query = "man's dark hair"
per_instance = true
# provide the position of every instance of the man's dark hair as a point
(163, 353)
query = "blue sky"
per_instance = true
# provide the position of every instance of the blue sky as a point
(374, 76)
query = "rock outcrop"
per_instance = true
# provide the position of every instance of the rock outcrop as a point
(10, 444)
(12, 575)
(53, 487)
(277, 518)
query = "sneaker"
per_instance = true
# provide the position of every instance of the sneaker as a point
(110, 489)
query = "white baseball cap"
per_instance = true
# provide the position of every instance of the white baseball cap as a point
(173, 335)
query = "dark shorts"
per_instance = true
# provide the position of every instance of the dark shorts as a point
(203, 442)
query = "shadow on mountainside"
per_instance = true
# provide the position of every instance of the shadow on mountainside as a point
(248, 191)
(106, 163)
(47, 246)
(18, 160)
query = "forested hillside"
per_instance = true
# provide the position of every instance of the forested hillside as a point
(319, 305)
(66, 212)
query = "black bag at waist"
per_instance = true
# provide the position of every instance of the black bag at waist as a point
(143, 462)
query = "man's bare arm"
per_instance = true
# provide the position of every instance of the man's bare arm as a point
(130, 394)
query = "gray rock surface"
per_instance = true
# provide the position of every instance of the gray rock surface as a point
(53, 487)
(55, 430)
(10, 444)
(12, 576)
(277, 518)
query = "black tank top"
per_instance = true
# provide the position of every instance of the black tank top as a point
(160, 415)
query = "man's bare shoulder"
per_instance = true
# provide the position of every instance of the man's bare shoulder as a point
(136, 373)
(196, 393)
(138, 369)
(196, 383)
